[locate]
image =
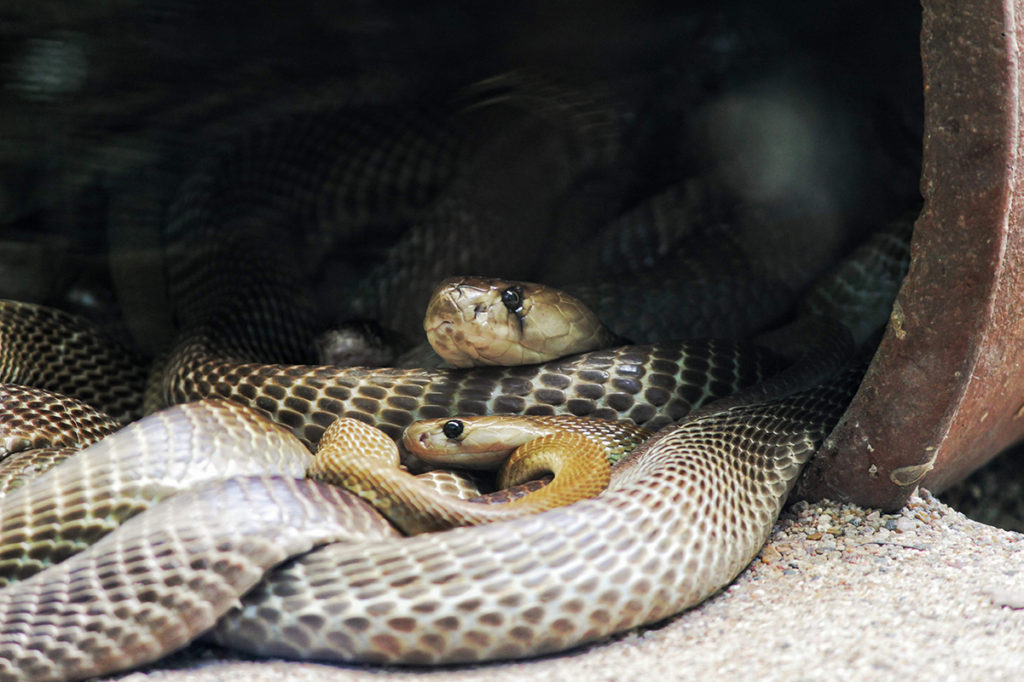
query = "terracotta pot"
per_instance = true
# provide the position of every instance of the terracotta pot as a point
(945, 392)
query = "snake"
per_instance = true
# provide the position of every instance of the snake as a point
(486, 442)
(682, 516)
(360, 458)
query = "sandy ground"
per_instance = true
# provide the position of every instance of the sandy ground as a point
(839, 593)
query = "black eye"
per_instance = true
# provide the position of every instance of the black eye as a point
(452, 428)
(512, 297)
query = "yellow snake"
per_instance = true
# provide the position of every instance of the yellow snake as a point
(362, 459)
(682, 516)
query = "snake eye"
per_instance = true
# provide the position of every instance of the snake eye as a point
(512, 298)
(452, 428)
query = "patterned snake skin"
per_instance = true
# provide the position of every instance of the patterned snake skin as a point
(644, 550)
(683, 515)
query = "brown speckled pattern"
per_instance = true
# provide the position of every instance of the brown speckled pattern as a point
(33, 418)
(650, 385)
(52, 350)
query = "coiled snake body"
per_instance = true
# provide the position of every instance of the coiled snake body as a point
(682, 516)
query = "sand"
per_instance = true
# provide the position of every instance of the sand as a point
(839, 593)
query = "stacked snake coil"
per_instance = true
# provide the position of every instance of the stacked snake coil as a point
(155, 550)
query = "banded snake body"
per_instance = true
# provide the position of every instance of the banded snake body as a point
(683, 514)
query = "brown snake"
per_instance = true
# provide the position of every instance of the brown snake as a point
(682, 516)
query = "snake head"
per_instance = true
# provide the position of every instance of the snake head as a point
(468, 442)
(485, 321)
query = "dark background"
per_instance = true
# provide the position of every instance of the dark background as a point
(106, 105)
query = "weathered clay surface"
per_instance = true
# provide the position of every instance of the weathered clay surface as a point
(945, 392)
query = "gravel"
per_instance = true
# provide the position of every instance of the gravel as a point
(838, 593)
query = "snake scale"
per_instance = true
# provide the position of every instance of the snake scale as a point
(684, 513)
